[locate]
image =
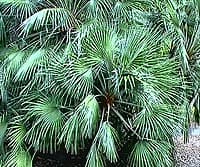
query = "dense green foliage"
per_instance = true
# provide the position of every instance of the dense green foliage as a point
(123, 75)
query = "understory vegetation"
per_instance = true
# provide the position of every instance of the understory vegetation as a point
(111, 76)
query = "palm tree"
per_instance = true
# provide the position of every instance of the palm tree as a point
(104, 71)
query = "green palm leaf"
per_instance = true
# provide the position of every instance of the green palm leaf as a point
(151, 153)
(159, 124)
(130, 11)
(13, 62)
(47, 123)
(81, 124)
(21, 9)
(99, 8)
(50, 18)
(95, 158)
(20, 158)
(4, 95)
(140, 48)
(70, 77)
(33, 65)
(71, 135)
(3, 129)
(105, 142)
(16, 133)
(137, 69)
(100, 48)
(2, 30)
(89, 116)
(108, 139)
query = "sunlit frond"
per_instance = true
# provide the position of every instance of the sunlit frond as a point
(71, 134)
(89, 116)
(2, 31)
(100, 48)
(3, 89)
(99, 8)
(130, 11)
(13, 63)
(33, 65)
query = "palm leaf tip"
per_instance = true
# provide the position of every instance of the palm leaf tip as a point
(16, 133)
(95, 158)
(90, 115)
(109, 140)
(70, 135)
(81, 124)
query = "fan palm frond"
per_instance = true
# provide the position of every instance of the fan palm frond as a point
(131, 11)
(13, 62)
(100, 48)
(21, 9)
(70, 76)
(99, 8)
(105, 143)
(19, 158)
(160, 82)
(33, 65)
(75, 6)
(81, 124)
(3, 89)
(47, 124)
(81, 75)
(108, 139)
(84, 30)
(71, 135)
(16, 133)
(3, 129)
(151, 153)
(191, 42)
(89, 116)
(50, 18)
(139, 68)
(140, 46)
(158, 124)
(2, 31)
(95, 158)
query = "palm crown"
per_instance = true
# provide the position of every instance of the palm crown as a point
(116, 73)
